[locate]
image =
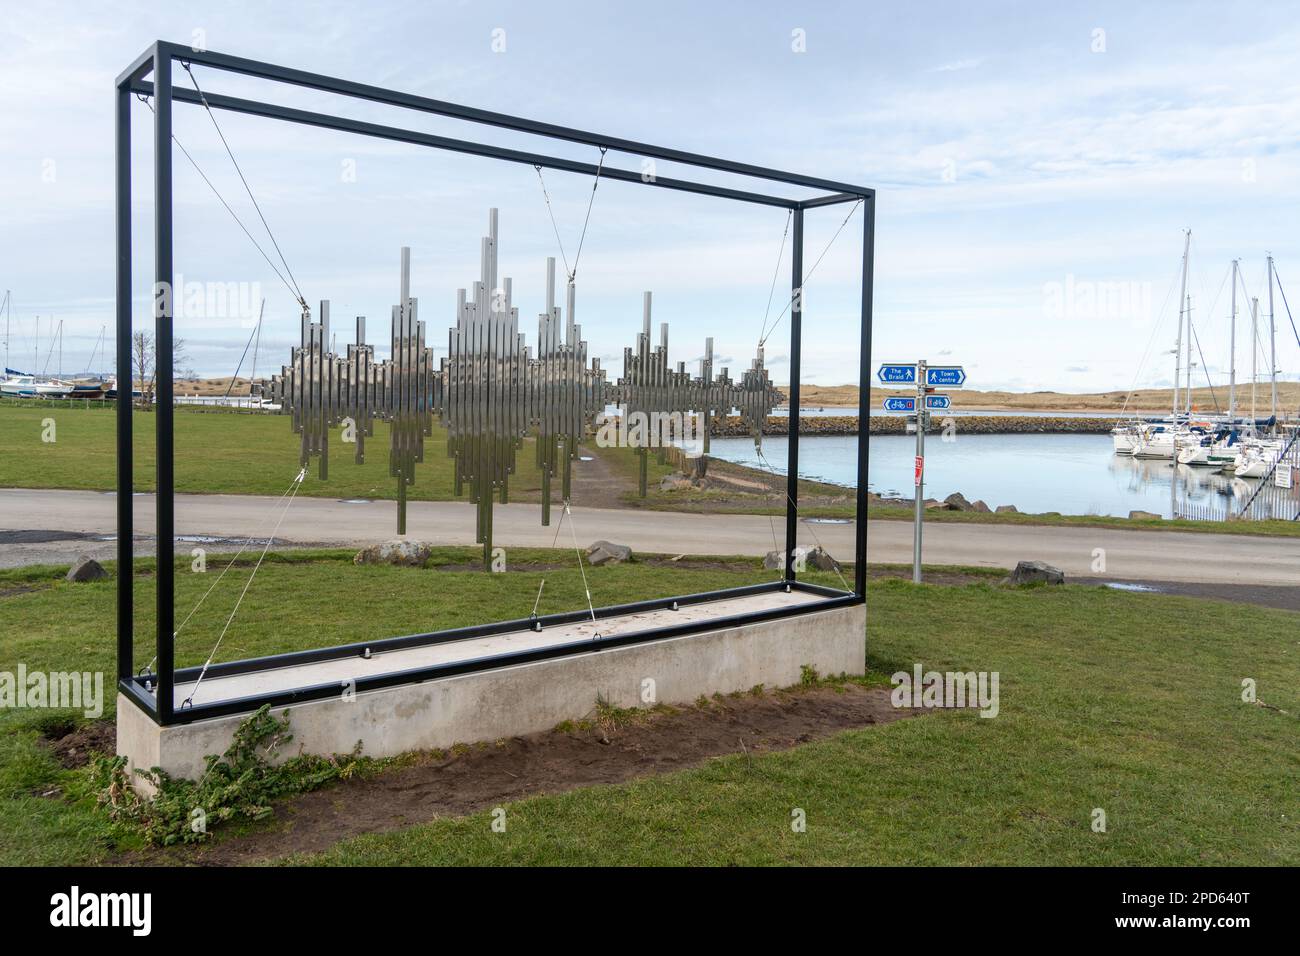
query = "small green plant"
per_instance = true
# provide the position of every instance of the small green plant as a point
(239, 784)
(608, 717)
(808, 675)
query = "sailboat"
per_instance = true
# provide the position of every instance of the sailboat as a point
(1162, 439)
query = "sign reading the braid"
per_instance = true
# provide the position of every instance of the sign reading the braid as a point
(491, 391)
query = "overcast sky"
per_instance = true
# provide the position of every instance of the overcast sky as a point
(1032, 160)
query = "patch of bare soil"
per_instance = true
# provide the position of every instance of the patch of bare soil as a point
(729, 487)
(597, 484)
(553, 762)
(16, 589)
(73, 744)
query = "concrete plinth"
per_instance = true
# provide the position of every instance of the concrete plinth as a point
(516, 699)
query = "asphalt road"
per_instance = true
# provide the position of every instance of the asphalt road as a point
(38, 526)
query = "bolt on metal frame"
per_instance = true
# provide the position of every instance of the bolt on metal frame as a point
(151, 75)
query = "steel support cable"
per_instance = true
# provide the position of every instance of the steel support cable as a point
(194, 610)
(820, 546)
(554, 225)
(776, 272)
(217, 126)
(297, 483)
(591, 201)
(573, 530)
(143, 98)
(572, 273)
(554, 539)
(809, 274)
(776, 547)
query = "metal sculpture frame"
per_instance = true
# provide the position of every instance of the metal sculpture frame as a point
(151, 75)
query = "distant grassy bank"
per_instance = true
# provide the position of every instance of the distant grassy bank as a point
(1147, 400)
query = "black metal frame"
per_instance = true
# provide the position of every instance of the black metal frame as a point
(157, 61)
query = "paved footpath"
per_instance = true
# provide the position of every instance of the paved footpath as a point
(56, 526)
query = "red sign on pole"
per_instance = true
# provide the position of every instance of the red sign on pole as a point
(920, 467)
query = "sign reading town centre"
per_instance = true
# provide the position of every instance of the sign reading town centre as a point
(945, 376)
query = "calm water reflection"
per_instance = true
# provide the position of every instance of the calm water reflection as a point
(1072, 474)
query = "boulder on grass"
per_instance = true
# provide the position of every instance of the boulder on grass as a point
(606, 552)
(1033, 572)
(775, 560)
(397, 551)
(957, 502)
(674, 482)
(981, 507)
(86, 569)
(820, 560)
(1006, 510)
(1144, 515)
(931, 503)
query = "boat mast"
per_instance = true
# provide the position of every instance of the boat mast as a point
(1178, 342)
(1232, 350)
(1187, 398)
(1272, 343)
(8, 310)
(1254, 354)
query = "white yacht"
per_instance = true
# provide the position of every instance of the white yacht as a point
(1156, 440)
(1256, 458)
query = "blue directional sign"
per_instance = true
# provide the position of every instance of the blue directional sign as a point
(897, 374)
(945, 376)
(938, 403)
(898, 403)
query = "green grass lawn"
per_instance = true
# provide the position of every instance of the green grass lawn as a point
(1124, 701)
(217, 453)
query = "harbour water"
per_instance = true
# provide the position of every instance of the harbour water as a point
(1072, 474)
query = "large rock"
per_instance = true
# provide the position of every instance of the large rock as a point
(397, 551)
(1006, 510)
(820, 560)
(87, 569)
(1144, 515)
(981, 507)
(775, 560)
(1033, 572)
(675, 482)
(606, 552)
(957, 502)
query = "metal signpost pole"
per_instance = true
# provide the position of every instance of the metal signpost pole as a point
(919, 470)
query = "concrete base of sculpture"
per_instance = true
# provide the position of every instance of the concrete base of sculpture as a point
(517, 699)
